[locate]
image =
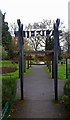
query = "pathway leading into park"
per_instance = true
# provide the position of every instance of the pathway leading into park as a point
(38, 97)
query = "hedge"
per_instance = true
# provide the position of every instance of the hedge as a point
(66, 96)
(8, 90)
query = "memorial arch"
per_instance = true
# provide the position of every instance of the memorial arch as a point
(21, 34)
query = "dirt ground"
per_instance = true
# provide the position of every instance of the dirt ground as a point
(4, 70)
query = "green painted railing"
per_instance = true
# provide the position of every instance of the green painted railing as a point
(4, 111)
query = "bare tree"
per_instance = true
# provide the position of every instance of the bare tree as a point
(39, 42)
(13, 27)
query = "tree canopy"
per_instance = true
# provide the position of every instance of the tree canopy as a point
(6, 37)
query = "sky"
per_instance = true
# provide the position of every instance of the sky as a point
(30, 11)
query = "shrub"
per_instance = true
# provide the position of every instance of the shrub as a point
(66, 97)
(3, 53)
(67, 88)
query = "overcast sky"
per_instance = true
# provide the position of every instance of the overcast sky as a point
(30, 11)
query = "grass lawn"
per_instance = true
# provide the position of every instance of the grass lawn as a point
(61, 72)
(8, 63)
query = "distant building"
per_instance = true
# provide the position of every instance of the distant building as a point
(0, 27)
(69, 15)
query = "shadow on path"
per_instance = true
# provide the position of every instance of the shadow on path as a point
(38, 97)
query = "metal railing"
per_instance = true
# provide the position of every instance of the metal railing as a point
(5, 111)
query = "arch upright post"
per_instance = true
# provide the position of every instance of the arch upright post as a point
(56, 45)
(20, 36)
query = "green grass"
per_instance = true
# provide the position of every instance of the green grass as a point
(15, 75)
(7, 63)
(27, 71)
(47, 71)
(68, 71)
(61, 72)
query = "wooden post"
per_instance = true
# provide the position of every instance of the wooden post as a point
(56, 43)
(20, 36)
(24, 63)
(52, 65)
(66, 70)
(28, 62)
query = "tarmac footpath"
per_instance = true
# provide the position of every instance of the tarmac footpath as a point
(38, 97)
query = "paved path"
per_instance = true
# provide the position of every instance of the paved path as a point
(38, 97)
